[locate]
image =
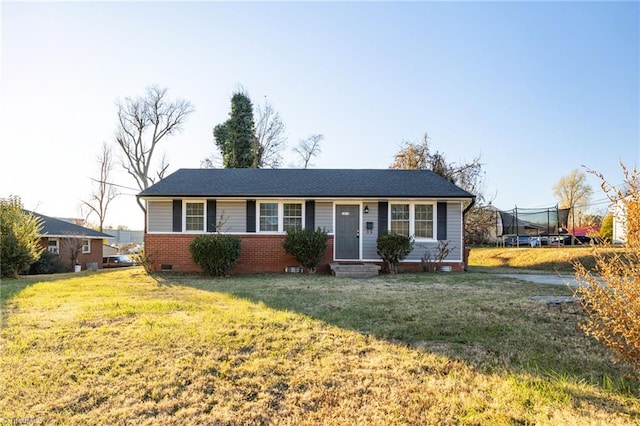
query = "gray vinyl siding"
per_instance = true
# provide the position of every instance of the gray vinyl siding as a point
(324, 216)
(454, 230)
(160, 214)
(234, 215)
(369, 238)
(454, 236)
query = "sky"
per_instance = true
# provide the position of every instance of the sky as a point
(536, 89)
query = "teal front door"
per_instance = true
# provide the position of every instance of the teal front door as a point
(347, 232)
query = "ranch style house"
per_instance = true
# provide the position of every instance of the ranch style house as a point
(354, 207)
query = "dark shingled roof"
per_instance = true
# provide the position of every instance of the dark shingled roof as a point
(52, 227)
(339, 183)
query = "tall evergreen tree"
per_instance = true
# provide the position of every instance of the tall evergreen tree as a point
(19, 239)
(236, 137)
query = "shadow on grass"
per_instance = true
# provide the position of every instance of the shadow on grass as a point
(488, 322)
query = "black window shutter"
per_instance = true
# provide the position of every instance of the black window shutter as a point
(177, 215)
(211, 215)
(442, 221)
(251, 215)
(310, 215)
(383, 215)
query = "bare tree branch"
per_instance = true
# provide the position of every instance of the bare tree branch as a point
(466, 175)
(308, 148)
(270, 135)
(103, 192)
(143, 123)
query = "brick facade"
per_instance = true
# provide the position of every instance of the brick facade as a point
(95, 256)
(259, 254)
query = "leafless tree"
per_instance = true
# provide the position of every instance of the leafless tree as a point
(308, 148)
(270, 136)
(103, 191)
(479, 220)
(72, 245)
(142, 123)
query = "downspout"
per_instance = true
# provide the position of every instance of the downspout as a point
(466, 209)
(465, 252)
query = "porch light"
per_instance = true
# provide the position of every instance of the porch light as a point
(366, 209)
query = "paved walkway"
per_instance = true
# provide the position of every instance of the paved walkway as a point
(552, 279)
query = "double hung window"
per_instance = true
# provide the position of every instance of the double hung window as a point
(194, 216)
(292, 216)
(268, 217)
(53, 246)
(412, 219)
(279, 216)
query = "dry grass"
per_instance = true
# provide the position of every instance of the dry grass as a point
(120, 347)
(546, 259)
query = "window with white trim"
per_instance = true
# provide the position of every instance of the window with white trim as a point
(292, 216)
(86, 246)
(279, 216)
(412, 219)
(400, 219)
(53, 246)
(194, 216)
(268, 217)
(423, 220)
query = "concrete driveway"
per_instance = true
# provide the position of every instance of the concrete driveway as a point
(564, 279)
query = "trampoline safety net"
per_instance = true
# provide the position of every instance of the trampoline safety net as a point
(527, 221)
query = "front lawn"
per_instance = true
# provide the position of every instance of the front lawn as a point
(121, 347)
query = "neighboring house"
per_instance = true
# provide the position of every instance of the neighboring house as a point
(259, 205)
(108, 250)
(585, 231)
(62, 237)
(124, 238)
(619, 212)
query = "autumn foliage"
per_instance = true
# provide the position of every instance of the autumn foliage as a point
(611, 291)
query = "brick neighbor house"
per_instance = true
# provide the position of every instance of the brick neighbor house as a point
(61, 237)
(259, 205)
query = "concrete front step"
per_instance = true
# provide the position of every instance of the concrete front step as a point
(354, 270)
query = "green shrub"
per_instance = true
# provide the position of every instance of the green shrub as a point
(392, 248)
(19, 241)
(606, 230)
(307, 247)
(48, 263)
(215, 254)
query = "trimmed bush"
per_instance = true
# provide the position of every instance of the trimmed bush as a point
(393, 248)
(215, 254)
(307, 247)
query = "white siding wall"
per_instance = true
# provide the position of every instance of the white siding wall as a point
(160, 215)
(619, 222)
